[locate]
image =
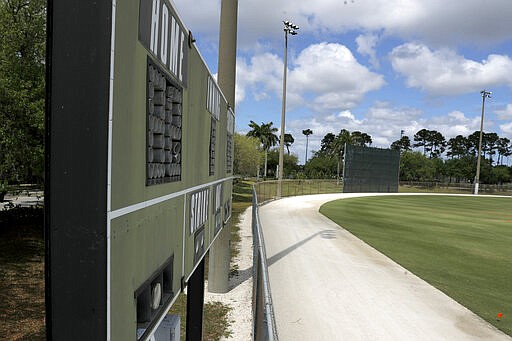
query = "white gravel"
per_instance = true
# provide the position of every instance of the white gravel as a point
(239, 296)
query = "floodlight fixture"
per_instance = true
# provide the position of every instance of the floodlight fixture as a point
(486, 94)
(290, 27)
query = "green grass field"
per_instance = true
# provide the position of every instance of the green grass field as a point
(461, 245)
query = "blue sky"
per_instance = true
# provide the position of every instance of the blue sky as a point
(374, 66)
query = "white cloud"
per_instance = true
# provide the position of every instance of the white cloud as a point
(443, 72)
(263, 74)
(438, 22)
(453, 124)
(505, 114)
(204, 21)
(383, 122)
(507, 129)
(366, 46)
(323, 76)
(333, 75)
(348, 115)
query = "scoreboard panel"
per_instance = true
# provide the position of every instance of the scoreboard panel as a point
(139, 166)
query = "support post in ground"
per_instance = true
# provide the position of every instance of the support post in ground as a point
(218, 272)
(195, 304)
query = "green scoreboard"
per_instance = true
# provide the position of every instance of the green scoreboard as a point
(138, 166)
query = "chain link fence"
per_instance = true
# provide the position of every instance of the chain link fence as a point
(267, 190)
(468, 188)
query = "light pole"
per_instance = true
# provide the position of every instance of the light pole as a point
(485, 94)
(291, 29)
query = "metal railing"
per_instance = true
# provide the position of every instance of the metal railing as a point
(264, 326)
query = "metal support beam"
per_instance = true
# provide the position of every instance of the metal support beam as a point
(195, 304)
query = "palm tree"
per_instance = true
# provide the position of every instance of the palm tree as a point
(288, 141)
(344, 137)
(307, 132)
(266, 134)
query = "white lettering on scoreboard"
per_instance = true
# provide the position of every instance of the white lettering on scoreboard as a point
(161, 33)
(231, 121)
(213, 98)
(199, 209)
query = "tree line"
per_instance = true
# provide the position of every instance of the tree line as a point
(428, 157)
(433, 144)
(22, 90)
(459, 163)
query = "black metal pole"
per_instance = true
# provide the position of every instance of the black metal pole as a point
(195, 304)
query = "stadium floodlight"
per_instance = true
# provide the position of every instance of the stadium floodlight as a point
(485, 94)
(290, 28)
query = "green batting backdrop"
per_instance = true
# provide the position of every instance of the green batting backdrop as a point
(367, 169)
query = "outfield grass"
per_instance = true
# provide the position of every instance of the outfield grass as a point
(461, 245)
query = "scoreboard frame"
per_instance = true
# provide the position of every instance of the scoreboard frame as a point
(124, 233)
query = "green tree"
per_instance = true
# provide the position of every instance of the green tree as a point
(504, 149)
(432, 141)
(473, 141)
(320, 166)
(500, 174)
(414, 166)
(288, 141)
(458, 146)
(331, 152)
(327, 144)
(266, 134)
(360, 139)
(247, 155)
(421, 139)
(490, 145)
(437, 143)
(22, 89)
(461, 169)
(290, 163)
(343, 138)
(403, 144)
